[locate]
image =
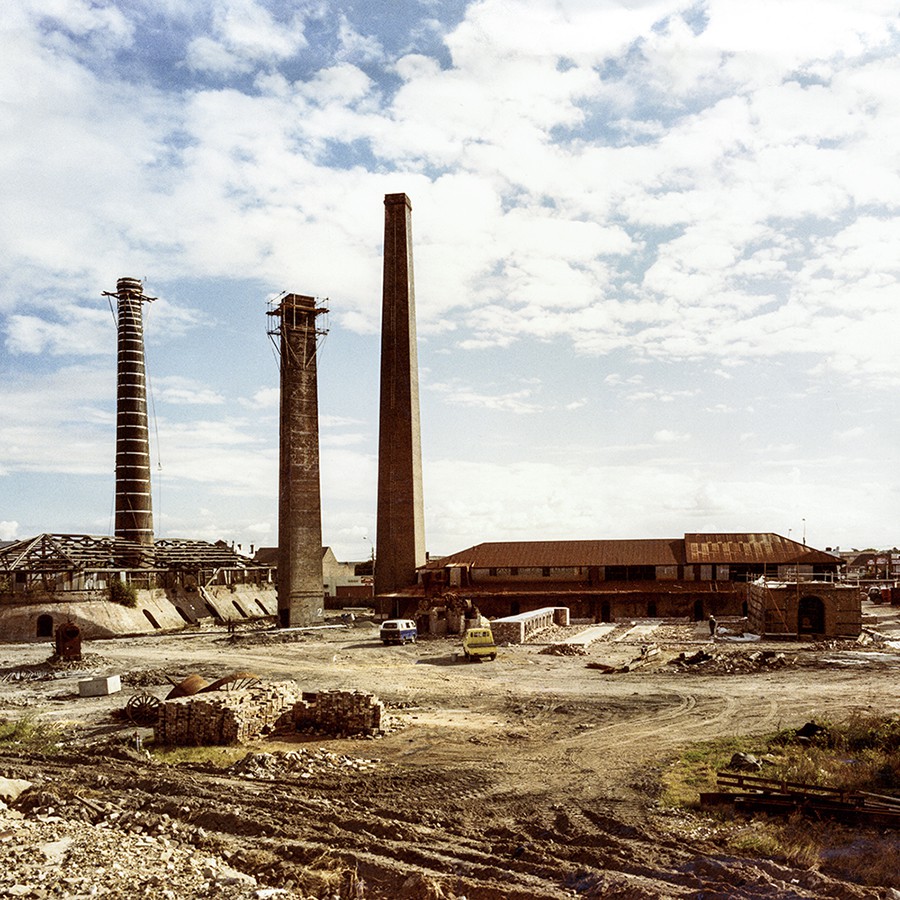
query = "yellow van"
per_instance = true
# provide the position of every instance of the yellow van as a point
(478, 643)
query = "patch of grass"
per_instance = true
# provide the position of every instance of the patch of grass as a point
(214, 757)
(28, 734)
(861, 753)
(695, 770)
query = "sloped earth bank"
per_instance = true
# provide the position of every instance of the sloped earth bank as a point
(530, 777)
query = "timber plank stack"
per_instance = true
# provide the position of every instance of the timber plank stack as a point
(751, 793)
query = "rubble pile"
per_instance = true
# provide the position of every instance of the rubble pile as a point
(565, 650)
(43, 854)
(145, 678)
(712, 663)
(226, 717)
(340, 713)
(303, 763)
(85, 661)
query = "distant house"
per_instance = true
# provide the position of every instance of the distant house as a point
(689, 577)
(875, 565)
(344, 583)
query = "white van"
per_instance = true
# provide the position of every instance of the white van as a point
(398, 631)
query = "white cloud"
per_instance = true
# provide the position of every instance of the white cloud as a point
(356, 46)
(856, 433)
(265, 398)
(518, 402)
(659, 396)
(668, 436)
(9, 531)
(185, 391)
(244, 34)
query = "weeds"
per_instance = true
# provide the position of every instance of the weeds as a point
(123, 593)
(30, 735)
(214, 757)
(859, 754)
(696, 770)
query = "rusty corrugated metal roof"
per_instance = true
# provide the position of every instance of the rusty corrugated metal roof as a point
(762, 547)
(693, 549)
(566, 554)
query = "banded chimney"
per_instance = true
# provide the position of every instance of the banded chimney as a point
(134, 509)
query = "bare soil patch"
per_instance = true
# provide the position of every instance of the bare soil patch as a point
(533, 776)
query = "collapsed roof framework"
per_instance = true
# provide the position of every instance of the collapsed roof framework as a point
(48, 556)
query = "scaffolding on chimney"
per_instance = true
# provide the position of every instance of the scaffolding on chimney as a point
(300, 593)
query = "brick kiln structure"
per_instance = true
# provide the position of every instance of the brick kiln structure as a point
(813, 608)
(134, 508)
(301, 598)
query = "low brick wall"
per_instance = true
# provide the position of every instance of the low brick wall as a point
(226, 717)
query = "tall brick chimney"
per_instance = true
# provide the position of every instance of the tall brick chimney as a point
(134, 508)
(301, 595)
(400, 515)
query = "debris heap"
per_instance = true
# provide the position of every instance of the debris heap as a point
(713, 663)
(226, 717)
(302, 763)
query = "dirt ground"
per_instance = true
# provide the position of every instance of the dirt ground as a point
(533, 776)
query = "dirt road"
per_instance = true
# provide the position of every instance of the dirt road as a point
(533, 776)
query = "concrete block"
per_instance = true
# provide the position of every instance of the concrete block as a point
(100, 687)
(11, 788)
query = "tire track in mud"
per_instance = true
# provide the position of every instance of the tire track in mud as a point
(557, 808)
(372, 826)
(291, 834)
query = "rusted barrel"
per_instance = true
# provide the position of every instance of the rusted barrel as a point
(68, 641)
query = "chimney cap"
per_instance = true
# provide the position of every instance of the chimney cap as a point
(392, 199)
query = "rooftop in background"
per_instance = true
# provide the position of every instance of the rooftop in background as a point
(693, 549)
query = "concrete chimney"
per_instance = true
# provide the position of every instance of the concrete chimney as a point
(301, 596)
(134, 508)
(401, 519)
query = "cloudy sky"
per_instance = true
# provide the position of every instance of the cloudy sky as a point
(656, 250)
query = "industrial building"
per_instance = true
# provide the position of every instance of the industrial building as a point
(604, 581)
(133, 583)
(816, 608)
(52, 579)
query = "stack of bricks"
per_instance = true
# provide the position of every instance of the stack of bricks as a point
(225, 717)
(339, 713)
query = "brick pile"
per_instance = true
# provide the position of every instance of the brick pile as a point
(340, 713)
(226, 717)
